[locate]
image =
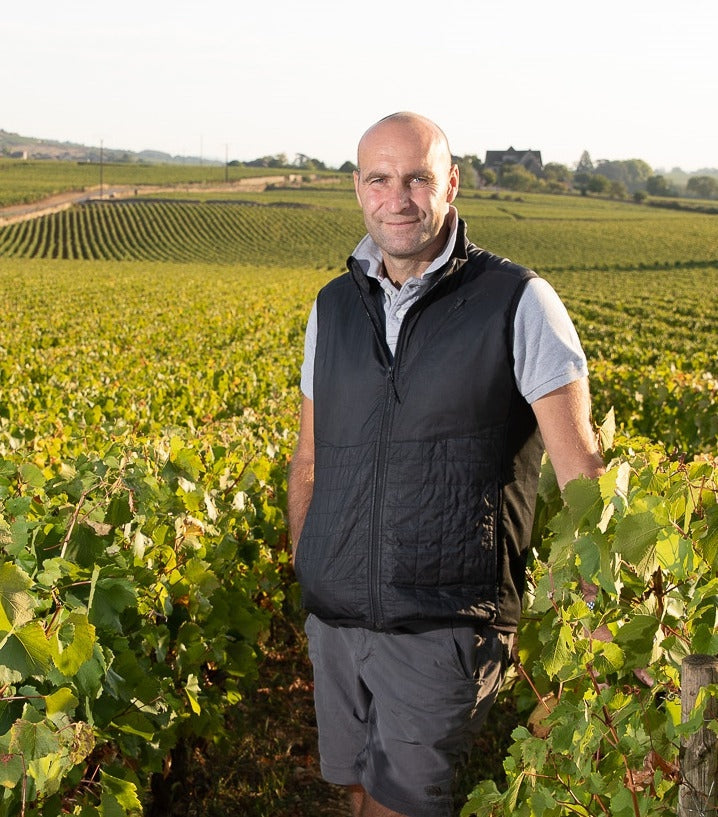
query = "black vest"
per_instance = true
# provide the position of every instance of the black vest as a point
(426, 462)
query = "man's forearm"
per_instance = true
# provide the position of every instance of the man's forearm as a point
(300, 487)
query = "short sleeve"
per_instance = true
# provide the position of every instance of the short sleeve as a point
(310, 344)
(547, 349)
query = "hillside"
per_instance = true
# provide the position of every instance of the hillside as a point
(14, 145)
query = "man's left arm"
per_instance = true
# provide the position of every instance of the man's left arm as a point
(564, 420)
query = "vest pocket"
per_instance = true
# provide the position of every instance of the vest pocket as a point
(441, 518)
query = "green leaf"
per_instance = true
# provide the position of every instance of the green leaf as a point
(636, 637)
(609, 657)
(16, 605)
(32, 475)
(119, 797)
(26, 652)
(558, 653)
(607, 431)
(33, 740)
(135, 723)
(18, 505)
(636, 541)
(62, 701)
(74, 643)
(11, 770)
(584, 501)
(192, 691)
(112, 596)
(185, 460)
(91, 675)
(118, 512)
(705, 640)
(590, 556)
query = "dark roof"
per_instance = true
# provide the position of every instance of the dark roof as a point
(499, 157)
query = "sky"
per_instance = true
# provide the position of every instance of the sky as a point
(216, 79)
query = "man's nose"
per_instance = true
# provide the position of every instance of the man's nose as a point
(399, 198)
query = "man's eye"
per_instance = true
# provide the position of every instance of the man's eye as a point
(419, 180)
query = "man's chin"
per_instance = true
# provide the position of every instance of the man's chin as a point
(403, 249)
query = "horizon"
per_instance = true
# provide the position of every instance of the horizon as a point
(220, 161)
(621, 82)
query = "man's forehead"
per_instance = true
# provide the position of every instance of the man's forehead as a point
(406, 153)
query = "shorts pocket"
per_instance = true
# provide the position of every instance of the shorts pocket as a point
(465, 643)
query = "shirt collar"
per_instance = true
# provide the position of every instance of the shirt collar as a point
(370, 259)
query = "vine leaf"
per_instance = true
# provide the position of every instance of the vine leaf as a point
(16, 605)
(11, 770)
(74, 645)
(61, 702)
(636, 537)
(119, 797)
(32, 738)
(558, 654)
(24, 653)
(637, 637)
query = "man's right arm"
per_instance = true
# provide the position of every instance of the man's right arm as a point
(300, 485)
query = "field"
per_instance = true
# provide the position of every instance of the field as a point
(149, 370)
(22, 182)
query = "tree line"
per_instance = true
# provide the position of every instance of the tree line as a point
(615, 178)
(618, 179)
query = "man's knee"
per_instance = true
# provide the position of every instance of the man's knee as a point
(363, 805)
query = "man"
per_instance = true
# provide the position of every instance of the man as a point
(434, 375)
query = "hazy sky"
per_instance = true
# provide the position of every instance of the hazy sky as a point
(620, 78)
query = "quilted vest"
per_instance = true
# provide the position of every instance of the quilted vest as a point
(427, 461)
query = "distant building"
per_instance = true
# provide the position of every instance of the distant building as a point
(19, 154)
(530, 159)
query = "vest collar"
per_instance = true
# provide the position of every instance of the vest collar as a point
(365, 261)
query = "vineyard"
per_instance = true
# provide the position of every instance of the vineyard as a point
(26, 181)
(149, 371)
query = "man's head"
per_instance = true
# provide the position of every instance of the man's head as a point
(405, 183)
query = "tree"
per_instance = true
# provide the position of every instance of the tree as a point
(555, 172)
(488, 177)
(585, 165)
(703, 187)
(659, 186)
(617, 190)
(517, 177)
(584, 170)
(468, 176)
(348, 167)
(632, 172)
(598, 183)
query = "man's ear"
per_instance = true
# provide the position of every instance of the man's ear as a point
(453, 190)
(356, 185)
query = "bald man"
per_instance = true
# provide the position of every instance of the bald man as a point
(435, 373)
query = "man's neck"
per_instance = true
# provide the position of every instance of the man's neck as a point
(398, 271)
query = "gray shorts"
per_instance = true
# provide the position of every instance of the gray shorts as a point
(398, 711)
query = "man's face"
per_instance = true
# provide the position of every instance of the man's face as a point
(404, 185)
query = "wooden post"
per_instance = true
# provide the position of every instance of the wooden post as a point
(698, 794)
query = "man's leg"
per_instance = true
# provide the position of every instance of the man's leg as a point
(365, 806)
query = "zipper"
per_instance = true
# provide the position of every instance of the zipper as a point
(377, 505)
(391, 399)
(378, 468)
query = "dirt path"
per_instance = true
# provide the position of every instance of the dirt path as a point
(62, 201)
